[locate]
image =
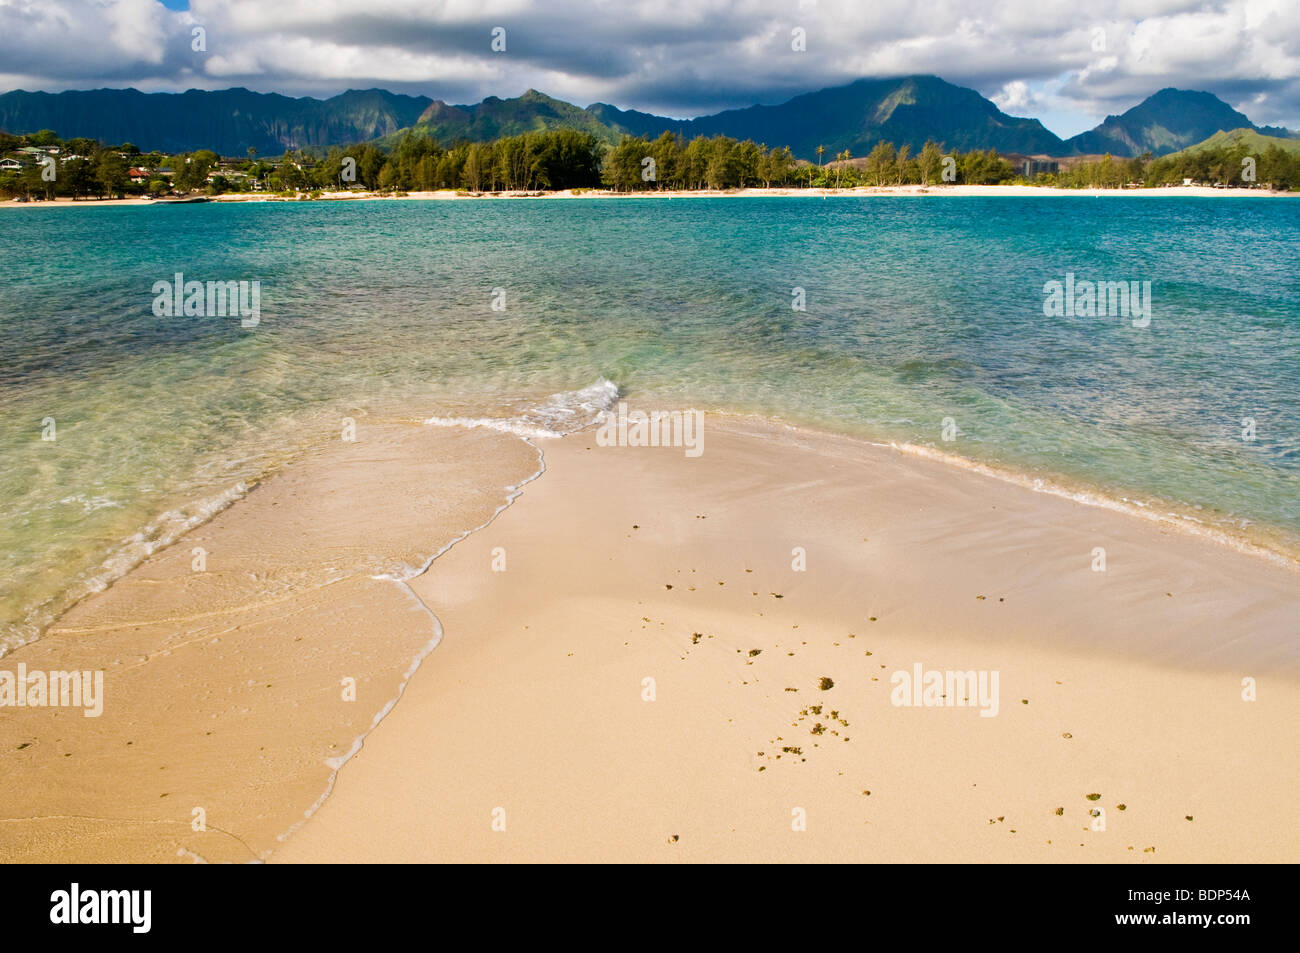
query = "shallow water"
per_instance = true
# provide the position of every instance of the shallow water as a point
(917, 311)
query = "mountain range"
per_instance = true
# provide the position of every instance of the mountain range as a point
(904, 110)
(229, 121)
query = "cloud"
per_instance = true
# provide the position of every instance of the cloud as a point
(676, 57)
(1014, 97)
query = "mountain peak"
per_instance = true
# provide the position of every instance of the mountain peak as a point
(1164, 122)
(905, 110)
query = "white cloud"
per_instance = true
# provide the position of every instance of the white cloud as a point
(1013, 97)
(679, 57)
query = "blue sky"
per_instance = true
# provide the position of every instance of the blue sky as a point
(1066, 63)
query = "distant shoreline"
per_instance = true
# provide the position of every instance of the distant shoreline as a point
(1182, 191)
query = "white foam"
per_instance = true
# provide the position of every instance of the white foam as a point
(1136, 508)
(402, 579)
(1154, 512)
(88, 504)
(559, 414)
(129, 553)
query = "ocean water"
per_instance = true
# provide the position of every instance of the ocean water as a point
(919, 312)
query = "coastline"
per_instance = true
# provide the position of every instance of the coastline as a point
(923, 542)
(918, 191)
(239, 688)
(534, 712)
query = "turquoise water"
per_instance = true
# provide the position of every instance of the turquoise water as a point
(917, 310)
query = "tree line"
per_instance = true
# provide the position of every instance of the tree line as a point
(1228, 166)
(81, 168)
(561, 159)
(536, 161)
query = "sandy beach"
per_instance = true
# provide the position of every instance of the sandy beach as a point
(648, 656)
(1186, 191)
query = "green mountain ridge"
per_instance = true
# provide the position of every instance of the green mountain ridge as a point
(229, 121)
(1248, 140)
(1164, 123)
(493, 118)
(907, 110)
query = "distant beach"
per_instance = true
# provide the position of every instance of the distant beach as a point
(985, 191)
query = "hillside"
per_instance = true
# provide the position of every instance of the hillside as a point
(909, 110)
(229, 121)
(1165, 122)
(493, 118)
(905, 111)
(1248, 140)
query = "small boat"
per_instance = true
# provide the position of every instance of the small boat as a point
(182, 200)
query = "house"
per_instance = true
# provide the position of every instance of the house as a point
(10, 165)
(138, 176)
(1034, 167)
(1031, 166)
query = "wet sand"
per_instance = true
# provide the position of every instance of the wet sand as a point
(655, 657)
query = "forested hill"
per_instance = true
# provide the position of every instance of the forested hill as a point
(228, 121)
(905, 111)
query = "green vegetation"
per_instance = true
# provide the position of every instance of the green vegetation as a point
(718, 162)
(1255, 143)
(1225, 163)
(550, 159)
(48, 167)
(563, 158)
(1219, 161)
(494, 119)
(886, 165)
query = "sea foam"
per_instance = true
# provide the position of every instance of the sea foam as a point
(561, 413)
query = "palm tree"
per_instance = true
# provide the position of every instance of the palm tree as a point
(821, 151)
